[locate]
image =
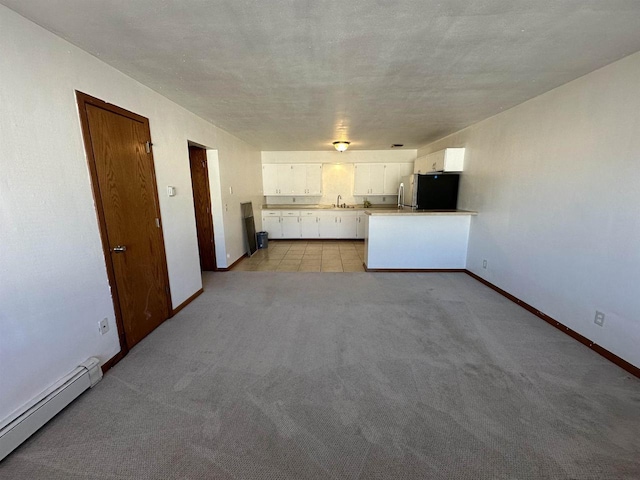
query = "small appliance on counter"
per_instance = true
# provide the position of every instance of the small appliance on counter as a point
(436, 191)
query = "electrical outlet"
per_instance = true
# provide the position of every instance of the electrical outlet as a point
(599, 318)
(103, 326)
(484, 264)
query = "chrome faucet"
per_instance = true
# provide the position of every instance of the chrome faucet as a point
(338, 201)
(401, 195)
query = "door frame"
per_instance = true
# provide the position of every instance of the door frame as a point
(193, 145)
(83, 100)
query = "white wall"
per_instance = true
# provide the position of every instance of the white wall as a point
(338, 173)
(556, 182)
(241, 181)
(53, 282)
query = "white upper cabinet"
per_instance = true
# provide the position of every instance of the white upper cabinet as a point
(292, 179)
(447, 160)
(404, 170)
(393, 174)
(391, 180)
(361, 173)
(379, 178)
(307, 179)
(277, 179)
(368, 179)
(270, 179)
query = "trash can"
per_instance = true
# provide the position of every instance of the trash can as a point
(263, 239)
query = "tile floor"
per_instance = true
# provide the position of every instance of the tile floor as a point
(303, 256)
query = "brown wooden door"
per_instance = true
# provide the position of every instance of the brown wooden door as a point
(126, 194)
(202, 205)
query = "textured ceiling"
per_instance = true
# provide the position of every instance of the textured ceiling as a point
(298, 74)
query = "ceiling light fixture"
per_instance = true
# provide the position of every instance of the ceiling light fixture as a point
(341, 146)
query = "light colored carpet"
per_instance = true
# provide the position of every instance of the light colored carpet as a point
(347, 376)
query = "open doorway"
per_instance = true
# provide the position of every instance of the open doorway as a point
(202, 207)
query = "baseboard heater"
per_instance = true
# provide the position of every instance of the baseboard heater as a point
(28, 420)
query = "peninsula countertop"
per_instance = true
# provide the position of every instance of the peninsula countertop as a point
(411, 212)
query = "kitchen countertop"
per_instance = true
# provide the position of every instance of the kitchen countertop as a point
(319, 207)
(373, 210)
(408, 211)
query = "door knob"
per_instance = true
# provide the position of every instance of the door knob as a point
(119, 249)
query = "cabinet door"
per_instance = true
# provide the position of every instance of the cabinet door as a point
(347, 226)
(360, 226)
(314, 179)
(299, 179)
(361, 179)
(309, 226)
(273, 226)
(290, 227)
(376, 179)
(422, 165)
(270, 179)
(328, 225)
(391, 179)
(453, 160)
(285, 179)
(404, 169)
(436, 161)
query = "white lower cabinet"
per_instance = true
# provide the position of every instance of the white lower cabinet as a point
(290, 227)
(290, 220)
(338, 224)
(271, 223)
(327, 225)
(313, 224)
(309, 225)
(360, 225)
(348, 224)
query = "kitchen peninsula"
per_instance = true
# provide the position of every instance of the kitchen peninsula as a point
(404, 239)
(395, 239)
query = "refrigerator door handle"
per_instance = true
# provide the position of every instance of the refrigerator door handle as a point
(401, 195)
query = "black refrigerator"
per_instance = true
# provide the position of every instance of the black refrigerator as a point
(436, 191)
